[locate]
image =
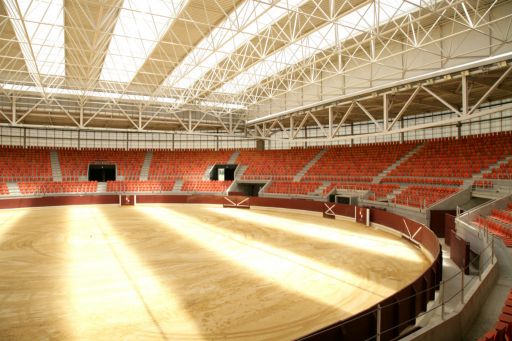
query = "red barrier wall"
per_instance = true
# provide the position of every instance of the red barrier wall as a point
(459, 252)
(398, 311)
(449, 226)
(59, 201)
(437, 222)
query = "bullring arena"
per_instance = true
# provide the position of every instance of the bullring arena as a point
(256, 170)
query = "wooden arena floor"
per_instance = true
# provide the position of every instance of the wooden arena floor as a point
(188, 272)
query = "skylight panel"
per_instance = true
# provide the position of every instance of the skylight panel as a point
(117, 96)
(246, 21)
(39, 28)
(139, 28)
(350, 25)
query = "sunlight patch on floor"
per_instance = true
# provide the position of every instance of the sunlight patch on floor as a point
(109, 286)
(291, 271)
(359, 240)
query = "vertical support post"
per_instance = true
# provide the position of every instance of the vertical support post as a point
(492, 250)
(351, 133)
(379, 321)
(402, 134)
(140, 120)
(291, 128)
(305, 136)
(127, 140)
(330, 122)
(13, 110)
(443, 287)
(24, 137)
(464, 93)
(480, 268)
(79, 133)
(217, 141)
(462, 284)
(81, 115)
(385, 114)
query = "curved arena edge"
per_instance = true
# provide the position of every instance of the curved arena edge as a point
(397, 312)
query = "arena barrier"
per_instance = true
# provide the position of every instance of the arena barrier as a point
(237, 202)
(328, 212)
(384, 321)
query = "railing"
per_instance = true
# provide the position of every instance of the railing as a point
(493, 186)
(452, 291)
(483, 210)
(268, 177)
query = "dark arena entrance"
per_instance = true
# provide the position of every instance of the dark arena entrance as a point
(102, 173)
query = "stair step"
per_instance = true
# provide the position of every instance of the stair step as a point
(102, 187)
(206, 175)
(310, 164)
(234, 156)
(240, 170)
(404, 158)
(144, 173)
(55, 164)
(178, 184)
(13, 188)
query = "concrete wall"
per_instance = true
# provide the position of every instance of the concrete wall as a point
(456, 325)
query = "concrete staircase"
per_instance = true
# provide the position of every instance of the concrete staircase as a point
(320, 190)
(240, 170)
(386, 171)
(54, 161)
(206, 175)
(234, 156)
(177, 185)
(488, 170)
(144, 172)
(309, 165)
(395, 193)
(13, 188)
(102, 187)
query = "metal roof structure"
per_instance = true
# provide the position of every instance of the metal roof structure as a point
(191, 65)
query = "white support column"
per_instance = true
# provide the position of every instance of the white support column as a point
(291, 127)
(464, 93)
(13, 110)
(81, 116)
(330, 122)
(385, 108)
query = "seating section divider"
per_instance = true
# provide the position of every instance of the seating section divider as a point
(379, 191)
(140, 186)
(206, 186)
(301, 188)
(423, 196)
(31, 188)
